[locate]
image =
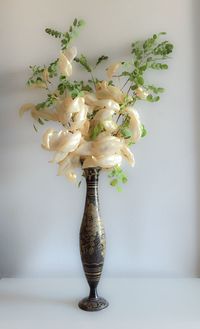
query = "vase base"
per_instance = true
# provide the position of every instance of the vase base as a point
(93, 304)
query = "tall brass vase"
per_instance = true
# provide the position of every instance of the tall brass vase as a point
(92, 243)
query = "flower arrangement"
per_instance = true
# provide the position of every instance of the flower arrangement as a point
(99, 122)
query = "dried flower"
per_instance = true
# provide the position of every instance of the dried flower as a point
(111, 70)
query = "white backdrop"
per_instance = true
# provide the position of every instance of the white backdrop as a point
(152, 226)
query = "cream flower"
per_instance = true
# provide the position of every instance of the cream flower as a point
(134, 125)
(92, 100)
(105, 91)
(64, 65)
(68, 165)
(77, 111)
(73, 112)
(141, 93)
(62, 142)
(79, 119)
(70, 53)
(128, 155)
(26, 107)
(45, 74)
(112, 69)
(85, 128)
(76, 105)
(106, 145)
(104, 161)
(104, 114)
(61, 110)
(65, 60)
(110, 126)
(45, 114)
(85, 148)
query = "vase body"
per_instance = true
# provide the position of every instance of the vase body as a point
(92, 242)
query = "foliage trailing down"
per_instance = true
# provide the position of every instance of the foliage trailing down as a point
(98, 118)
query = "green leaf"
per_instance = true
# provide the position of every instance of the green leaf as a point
(82, 60)
(40, 121)
(126, 132)
(156, 90)
(114, 182)
(150, 98)
(100, 59)
(75, 22)
(96, 131)
(119, 189)
(124, 179)
(53, 33)
(144, 131)
(35, 128)
(117, 176)
(140, 80)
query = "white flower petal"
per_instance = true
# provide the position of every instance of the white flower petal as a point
(104, 114)
(84, 149)
(112, 69)
(26, 107)
(63, 142)
(76, 105)
(128, 155)
(92, 100)
(135, 124)
(70, 53)
(64, 65)
(69, 163)
(110, 125)
(105, 162)
(107, 145)
(141, 93)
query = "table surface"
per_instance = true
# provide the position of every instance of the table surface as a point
(134, 304)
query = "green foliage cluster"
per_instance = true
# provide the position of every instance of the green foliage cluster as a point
(117, 177)
(149, 54)
(38, 73)
(69, 36)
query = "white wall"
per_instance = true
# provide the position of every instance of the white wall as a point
(152, 226)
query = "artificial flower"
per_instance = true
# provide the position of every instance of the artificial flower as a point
(141, 93)
(62, 142)
(127, 154)
(110, 126)
(68, 165)
(134, 125)
(70, 53)
(104, 161)
(106, 91)
(106, 145)
(112, 69)
(92, 100)
(45, 114)
(45, 74)
(26, 107)
(64, 65)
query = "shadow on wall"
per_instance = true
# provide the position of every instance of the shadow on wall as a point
(196, 26)
(9, 245)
